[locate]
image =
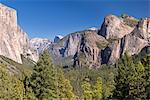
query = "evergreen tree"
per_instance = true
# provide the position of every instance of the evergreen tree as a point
(136, 81)
(146, 63)
(11, 88)
(44, 79)
(130, 80)
(108, 86)
(87, 90)
(64, 87)
(29, 95)
(97, 89)
(5, 85)
(17, 89)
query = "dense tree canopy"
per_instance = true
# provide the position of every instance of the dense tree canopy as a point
(44, 80)
(130, 79)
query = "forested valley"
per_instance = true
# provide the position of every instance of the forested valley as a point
(128, 79)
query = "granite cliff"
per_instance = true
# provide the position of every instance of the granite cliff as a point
(13, 41)
(128, 41)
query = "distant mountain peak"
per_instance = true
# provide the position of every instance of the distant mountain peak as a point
(92, 29)
(40, 44)
(57, 38)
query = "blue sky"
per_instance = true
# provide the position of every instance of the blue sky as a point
(47, 18)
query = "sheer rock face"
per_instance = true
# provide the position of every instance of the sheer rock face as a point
(143, 29)
(114, 27)
(13, 41)
(66, 46)
(69, 45)
(89, 50)
(131, 43)
(83, 48)
(138, 38)
(122, 36)
(117, 36)
(111, 53)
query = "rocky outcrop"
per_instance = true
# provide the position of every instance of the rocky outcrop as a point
(66, 46)
(114, 27)
(143, 29)
(131, 43)
(79, 48)
(111, 53)
(13, 41)
(89, 50)
(138, 39)
(122, 34)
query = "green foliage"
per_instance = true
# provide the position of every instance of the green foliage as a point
(76, 77)
(146, 63)
(130, 82)
(136, 80)
(21, 69)
(101, 44)
(5, 85)
(132, 22)
(87, 90)
(10, 87)
(29, 94)
(108, 85)
(43, 80)
(48, 81)
(65, 90)
(97, 89)
(18, 89)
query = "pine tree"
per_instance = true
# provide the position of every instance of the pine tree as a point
(11, 88)
(29, 95)
(17, 89)
(87, 90)
(146, 63)
(97, 89)
(122, 83)
(136, 81)
(130, 80)
(108, 86)
(5, 84)
(65, 89)
(44, 79)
